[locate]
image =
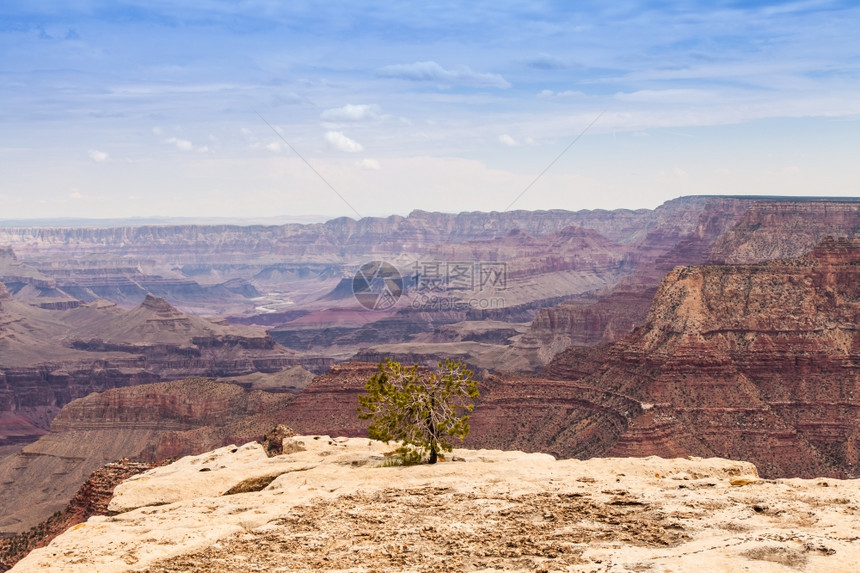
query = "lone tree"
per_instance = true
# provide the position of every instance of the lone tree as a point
(419, 408)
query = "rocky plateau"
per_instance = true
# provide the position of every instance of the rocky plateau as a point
(332, 505)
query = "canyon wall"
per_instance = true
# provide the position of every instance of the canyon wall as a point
(714, 229)
(49, 358)
(148, 422)
(759, 362)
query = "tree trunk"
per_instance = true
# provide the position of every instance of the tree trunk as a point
(433, 456)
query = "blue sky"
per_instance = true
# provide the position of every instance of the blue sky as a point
(141, 108)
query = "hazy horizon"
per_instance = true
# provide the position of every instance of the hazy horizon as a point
(132, 109)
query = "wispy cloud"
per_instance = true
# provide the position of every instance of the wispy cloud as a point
(504, 73)
(76, 195)
(432, 72)
(670, 96)
(98, 156)
(566, 94)
(337, 140)
(185, 145)
(351, 113)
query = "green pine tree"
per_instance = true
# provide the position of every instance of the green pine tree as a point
(418, 408)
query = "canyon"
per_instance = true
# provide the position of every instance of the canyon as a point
(709, 326)
(745, 361)
(570, 277)
(49, 357)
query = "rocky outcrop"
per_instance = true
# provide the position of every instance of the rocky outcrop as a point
(149, 422)
(585, 322)
(561, 418)
(91, 499)
(684, 232)
(18, 274)
(758, 362)
(784, 228)
(332, 505)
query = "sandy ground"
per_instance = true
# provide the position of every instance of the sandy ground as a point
(330, 505)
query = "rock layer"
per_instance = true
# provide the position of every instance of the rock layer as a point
(758, 362)
(149, 422)
(49, 358)
(91, 499)
(724, 229)
(755, 362)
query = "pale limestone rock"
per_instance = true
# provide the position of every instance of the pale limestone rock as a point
(333, 507)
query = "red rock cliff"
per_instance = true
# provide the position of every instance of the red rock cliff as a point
(756, 362)
(148, 422)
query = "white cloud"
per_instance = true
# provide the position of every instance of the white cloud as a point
(339, 141)
(274, 147)
(667, 96)
(157, 130)
(351, 112)
(75, 195)
(506, 139)
(181, 144)
(433, 72)
(567, 94)
(185, 145)
(369, 164)
(98, 156)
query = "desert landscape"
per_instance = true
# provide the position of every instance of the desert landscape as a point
(429, 286)
(697, 330)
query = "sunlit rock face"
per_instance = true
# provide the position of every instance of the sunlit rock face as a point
(758, 362)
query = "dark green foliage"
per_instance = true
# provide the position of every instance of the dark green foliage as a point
(418, 408)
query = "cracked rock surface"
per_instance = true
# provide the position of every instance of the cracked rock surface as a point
(332, 505)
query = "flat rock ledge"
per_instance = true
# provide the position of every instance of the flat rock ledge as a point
(335, 504)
